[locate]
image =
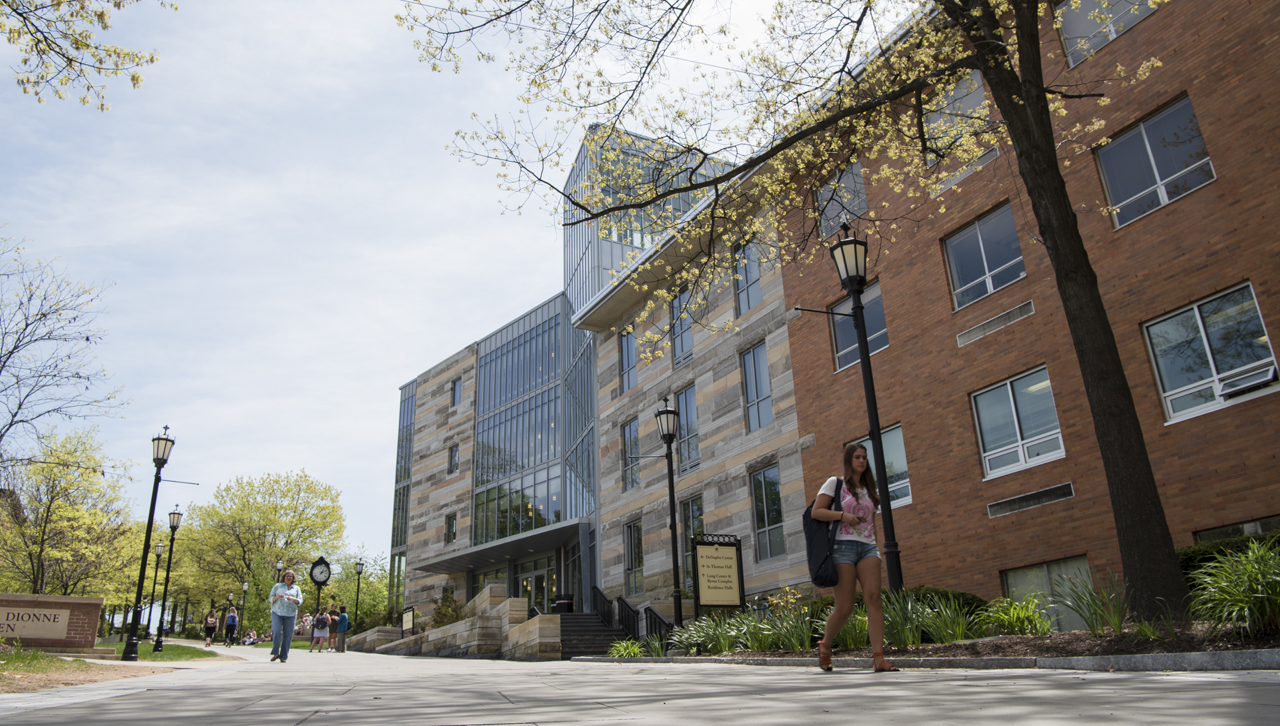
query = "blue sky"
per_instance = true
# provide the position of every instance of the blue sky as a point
(283, 236)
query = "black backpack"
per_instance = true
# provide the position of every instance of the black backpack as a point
(322, 620)
(820, 539)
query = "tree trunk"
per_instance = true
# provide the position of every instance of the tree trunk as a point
(1153, 579)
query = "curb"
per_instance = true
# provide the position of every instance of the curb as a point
(1239, 660)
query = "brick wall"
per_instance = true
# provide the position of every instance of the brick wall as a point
(82, 625)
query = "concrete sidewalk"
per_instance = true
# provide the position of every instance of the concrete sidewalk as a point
(353, 689)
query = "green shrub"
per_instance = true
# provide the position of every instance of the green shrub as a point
(1103, 604)
(656, 645)
(1003, 616)
(448, 610)
(971, 603)
(947, 618)
(854, 634)
(626, 649)
(904, 616)
(758, 634)
(193, 631)
(1241, 590)
(1197, 556)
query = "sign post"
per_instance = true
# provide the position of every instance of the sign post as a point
(717, 580)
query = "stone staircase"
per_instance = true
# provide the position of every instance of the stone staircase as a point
(584, 634)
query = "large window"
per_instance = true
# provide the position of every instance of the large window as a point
(631, 454)
(681, 329)
(687, 437)
(454, 460)
(755, 377)
(841, 199)
(1210, 352)
(1156, 163)
(691, 520)
(1049, 581)
(1094, 23)
(627, 361)
(746, 280)
(633, 570)
(767, 495)
(984, 257)
(959, 112)
(846, 334)
(1018, 424)
(895, 464)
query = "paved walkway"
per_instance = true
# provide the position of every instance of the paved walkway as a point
(353, 689)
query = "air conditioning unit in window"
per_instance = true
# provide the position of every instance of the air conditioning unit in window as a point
(1250, 381)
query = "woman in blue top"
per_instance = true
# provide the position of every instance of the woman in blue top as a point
(285, 598)
(232, 621)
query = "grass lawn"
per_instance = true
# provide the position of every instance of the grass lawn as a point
(172, 651)
(35, 661)
(294, 646)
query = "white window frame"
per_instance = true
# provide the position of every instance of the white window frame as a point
(985, 280)
(876, 341)
(754, 360)
(746, 278)
(896, 486)
(1217, 381)
(687, 435)
(769, 527)
(956, 111)
(1117, 13)
(1021, 446)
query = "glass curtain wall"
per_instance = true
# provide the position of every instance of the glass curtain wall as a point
(400, 504)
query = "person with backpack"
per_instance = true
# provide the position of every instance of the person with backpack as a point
(210, 627)
(857, 557)
(319, 630)
(232, 621)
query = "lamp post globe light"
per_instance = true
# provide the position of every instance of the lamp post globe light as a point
(668, 428)
(161, 445)
(279, 569)
(355, 617)
(155, 580)
(175, 519)
(850, 256)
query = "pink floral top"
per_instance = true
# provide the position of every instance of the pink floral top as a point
(859, 504)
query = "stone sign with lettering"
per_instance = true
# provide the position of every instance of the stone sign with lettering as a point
(26, 623)
(50, 622)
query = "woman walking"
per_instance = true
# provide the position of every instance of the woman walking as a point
(210, 627)
(856, 555)
(232, 621)
(285, 598)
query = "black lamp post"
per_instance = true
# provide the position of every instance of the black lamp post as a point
(155, 580)
(355, 617)
(161, 445)
(279, 569)
(850, 256)
(244, 593)
(668, 428)
(175, 519)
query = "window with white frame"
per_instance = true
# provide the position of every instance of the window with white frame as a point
(841, 199)
(687, 436)
(1018, 424)
(984, 257)
(960, 111)
(627, 361)
(1210, 352)
(1087, 25)
(895, 464)
(455, 457)
(633, 566)
(631, 454)
(681, 329)
(766, 491)
(746, 280)
(758, 391)
(1158, 162)
(846, 334)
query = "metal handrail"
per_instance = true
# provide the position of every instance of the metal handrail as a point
(655, 624)
(534, 612)
(602, 605)
(628, 618)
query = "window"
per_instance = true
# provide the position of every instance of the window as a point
(767, 495)
(631, 454)
(456, 392)
(633, 569)
(453, 459)
(956, 113)
(1156, 163)
(681, 329)
(1097, 22)
(692, 522)
(746, 281)
(984, 257)
(1243, 529)
(846, 334)
(1048, 582)
(687, 436)
(627, 361)
(755, 377)
(1017, 424)
(841, 199)
(1210, 352)
(895, 464)
(450, 528)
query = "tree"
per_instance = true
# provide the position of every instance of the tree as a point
(760, 151)
(47, 369)
(58, 49)
(66, 527)
(373, 588)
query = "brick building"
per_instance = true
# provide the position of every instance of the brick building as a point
(986, 423)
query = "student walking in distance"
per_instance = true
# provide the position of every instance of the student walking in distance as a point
(210, 627)
(285, 598)
(343, 626)
(319, 630)
(856, 555)
(232, 621)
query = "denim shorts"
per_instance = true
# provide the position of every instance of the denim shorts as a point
(851, 551)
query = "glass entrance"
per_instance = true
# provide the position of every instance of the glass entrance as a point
(538, 583)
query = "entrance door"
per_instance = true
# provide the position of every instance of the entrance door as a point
(538, 583)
